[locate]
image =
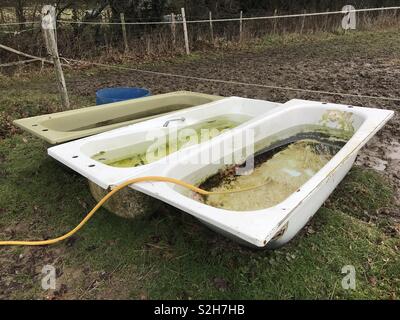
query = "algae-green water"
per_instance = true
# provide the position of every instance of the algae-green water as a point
(279, 173)
(137, 155)
(135, 116)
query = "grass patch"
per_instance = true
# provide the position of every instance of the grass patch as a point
(362, 194)
(39, 96)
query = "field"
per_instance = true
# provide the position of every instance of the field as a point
(169, 254)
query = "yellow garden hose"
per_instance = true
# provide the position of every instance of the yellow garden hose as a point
(109, 195)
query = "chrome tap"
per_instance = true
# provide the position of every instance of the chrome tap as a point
(177, 119)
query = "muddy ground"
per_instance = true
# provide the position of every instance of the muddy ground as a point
(362, 65)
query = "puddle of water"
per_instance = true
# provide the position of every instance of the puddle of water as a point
(279, 173)
(137, 155)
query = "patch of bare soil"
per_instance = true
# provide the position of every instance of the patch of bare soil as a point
(22, 272)
(27, 265)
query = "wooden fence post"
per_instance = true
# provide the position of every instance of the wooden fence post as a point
(124, 31)
(211, 27)
(173, 28)
(241, 26)
(48, 28)
(185, 31)
(303, 21)
(2, 16)
(106, 40)
(326, 21)
(275, 20)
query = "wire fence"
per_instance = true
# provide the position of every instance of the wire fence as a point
(162, 33)
(18, 23)
(326, 13)
(312, 14)
(236, 83)
(167, 38)
(105, 40)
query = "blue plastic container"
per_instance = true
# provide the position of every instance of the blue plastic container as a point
(110, 95)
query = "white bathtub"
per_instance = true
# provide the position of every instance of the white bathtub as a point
(272, 226)
(78, 154)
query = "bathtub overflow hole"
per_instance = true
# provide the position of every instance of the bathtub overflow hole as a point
(34, 125)
(91, 165)
(74, 157)
(45, 130)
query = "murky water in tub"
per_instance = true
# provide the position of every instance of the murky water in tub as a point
(134, 156)
(130, 117)
(279, 173)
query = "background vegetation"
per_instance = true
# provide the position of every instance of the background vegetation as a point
(104, 41)
(136, 10)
